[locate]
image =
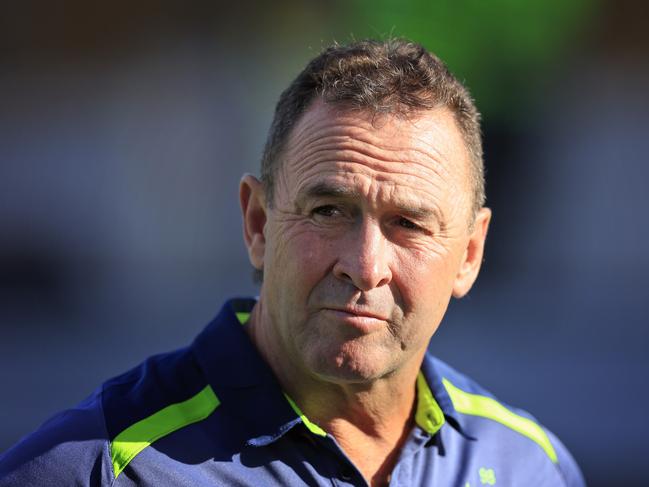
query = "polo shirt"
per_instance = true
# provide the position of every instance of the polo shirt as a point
(214, 414)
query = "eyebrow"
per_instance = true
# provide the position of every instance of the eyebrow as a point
(324, 189)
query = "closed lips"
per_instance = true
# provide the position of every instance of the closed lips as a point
(364, 314)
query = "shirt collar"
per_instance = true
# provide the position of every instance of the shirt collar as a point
(430, 369)
(240, 377)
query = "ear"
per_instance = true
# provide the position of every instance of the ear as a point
(253, 209)
(472, 258)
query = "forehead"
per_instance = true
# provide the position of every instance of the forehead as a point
(410, 157)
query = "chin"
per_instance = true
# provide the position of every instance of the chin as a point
(345, 368)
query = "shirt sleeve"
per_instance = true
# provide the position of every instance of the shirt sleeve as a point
(71, 448)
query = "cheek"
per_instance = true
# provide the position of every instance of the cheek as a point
(301, 255)
(425, 280)
(425, 285)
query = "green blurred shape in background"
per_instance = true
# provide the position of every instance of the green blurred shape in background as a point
(504, 49)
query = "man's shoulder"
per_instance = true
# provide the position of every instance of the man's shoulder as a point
(486, 420)
(82, 443)
(164, 400)
(68, 447)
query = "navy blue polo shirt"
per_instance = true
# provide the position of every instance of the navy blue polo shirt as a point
(213, 414)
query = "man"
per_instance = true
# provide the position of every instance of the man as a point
(369, 216)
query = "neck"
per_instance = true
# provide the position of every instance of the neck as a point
(369, 420)
(371, 426)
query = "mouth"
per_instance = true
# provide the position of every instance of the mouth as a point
(363, 321)
(360, 313)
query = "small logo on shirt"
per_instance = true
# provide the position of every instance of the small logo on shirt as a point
(487, 476)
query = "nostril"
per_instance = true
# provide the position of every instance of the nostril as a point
(345, 277)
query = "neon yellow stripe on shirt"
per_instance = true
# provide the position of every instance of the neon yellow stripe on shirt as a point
(130, 442)
(311, 426)
(429, 415)
(486, 407)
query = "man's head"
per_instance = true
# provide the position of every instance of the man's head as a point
(394, 77)
(367, 220)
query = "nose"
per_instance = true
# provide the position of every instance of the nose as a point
(365, 257)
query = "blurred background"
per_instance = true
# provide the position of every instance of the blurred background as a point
(125, 127)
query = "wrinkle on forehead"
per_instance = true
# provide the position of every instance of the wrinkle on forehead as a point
(357, 140)
(364, 124)
(428, 181)
(349, 137)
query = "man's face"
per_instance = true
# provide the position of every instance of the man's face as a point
(365, 241)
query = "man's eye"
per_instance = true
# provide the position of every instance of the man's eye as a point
(407, 224)
(326, 210)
